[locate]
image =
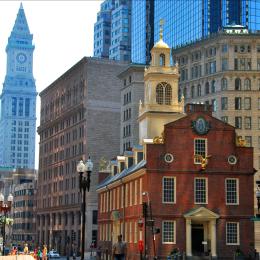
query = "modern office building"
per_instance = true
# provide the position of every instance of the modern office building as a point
(80, 117)
(112, 31)
(188, 21)
(18, 99)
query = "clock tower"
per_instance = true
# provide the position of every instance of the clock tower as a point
(18, 99)
(161, 104)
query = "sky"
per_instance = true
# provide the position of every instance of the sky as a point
(62, 35)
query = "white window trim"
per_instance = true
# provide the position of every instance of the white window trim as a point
(238, 234)
(237, 186)
(206, 148)
(195, 190)
(174, 237)
(168, 177)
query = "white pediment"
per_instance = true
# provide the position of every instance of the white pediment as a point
(202, 213)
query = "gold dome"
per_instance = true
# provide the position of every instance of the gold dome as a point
(161, 44)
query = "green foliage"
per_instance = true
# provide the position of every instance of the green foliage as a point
(7, 221)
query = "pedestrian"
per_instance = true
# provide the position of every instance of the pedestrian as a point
(119, 249)
(39, 253)
(26, 249)
(44, 252)
(99, 252)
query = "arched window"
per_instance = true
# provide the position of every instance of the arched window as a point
(199, 90)
(213, 86)
(247, 84)
(237, 84)
(207, 88)
(159, 94)
(168, 95)
(192, 94)
(163, 94)
(162, 59)
(224, 84)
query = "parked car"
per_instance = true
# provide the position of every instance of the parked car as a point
(53, 254)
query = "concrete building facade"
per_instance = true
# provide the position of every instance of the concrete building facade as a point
(80, 117)
(132, 91)
(18, 99)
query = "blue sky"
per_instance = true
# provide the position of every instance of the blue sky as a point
(62, 35)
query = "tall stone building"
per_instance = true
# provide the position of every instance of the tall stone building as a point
(18, 99)
(223, 70)
(80, 117)
(132, 91)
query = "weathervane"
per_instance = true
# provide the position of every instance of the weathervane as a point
(161, 28)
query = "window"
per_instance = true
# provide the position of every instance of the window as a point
(168, 190)
(247, 84)
(248, 140)
(237, 84)
(247, 122)
(159, 94)
(163, 93)
(258, 103)
(224, 103)
(207, 88)
(200, 191)
(258, 123)
(192, 92)
(224, 84)
(199, 90)
(94, 217)
(238, 105)
(232, 191)
(200, 148)
(238, 122)
(224, 64)
(232, 233)
(162, 59)
(168, 232)
(247, 103)
(213, 86)
(224, 119)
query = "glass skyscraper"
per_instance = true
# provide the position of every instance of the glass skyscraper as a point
(187, 21)
(112, 35)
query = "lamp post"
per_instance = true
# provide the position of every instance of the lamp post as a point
(5, 208)
(84, 184)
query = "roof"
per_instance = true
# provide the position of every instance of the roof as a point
(121, 175)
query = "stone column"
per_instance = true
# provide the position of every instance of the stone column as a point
(188, 237)
(213, 238)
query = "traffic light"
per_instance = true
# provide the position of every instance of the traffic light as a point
(145, 209)
(156, 230)
(73, 236)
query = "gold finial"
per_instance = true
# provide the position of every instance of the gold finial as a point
(159, 139)
(161, 28)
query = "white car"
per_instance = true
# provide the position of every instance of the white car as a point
(53, 254)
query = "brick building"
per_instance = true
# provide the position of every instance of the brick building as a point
(197, 177)
(200, 208)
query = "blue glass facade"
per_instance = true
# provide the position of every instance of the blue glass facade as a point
(18, 100)
(112, 35)
(187, 21)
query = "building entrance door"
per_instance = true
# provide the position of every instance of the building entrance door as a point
(197, 236)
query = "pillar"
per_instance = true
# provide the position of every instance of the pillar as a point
(213, 238)
(188, 237)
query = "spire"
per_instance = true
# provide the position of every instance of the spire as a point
(161, 43)
(21, 27)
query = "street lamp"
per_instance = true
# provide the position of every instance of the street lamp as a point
(5, 208)
(84, 184)
(150, 223)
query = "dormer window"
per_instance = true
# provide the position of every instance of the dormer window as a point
(162, 59)
(122, 166)
(130, 161)
(115, 170)
(163, 94)
(140, 156)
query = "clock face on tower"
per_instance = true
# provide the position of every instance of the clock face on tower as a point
(21, 57)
